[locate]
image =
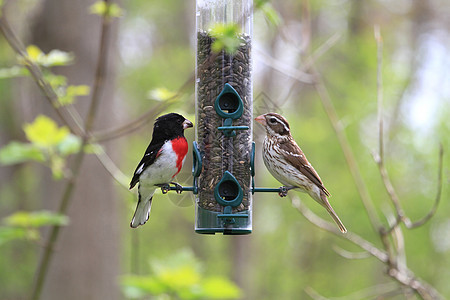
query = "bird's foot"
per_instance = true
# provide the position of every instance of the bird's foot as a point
(284, 190)
(165, 187)
(178, 187)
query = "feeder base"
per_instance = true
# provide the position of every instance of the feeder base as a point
(210, 222)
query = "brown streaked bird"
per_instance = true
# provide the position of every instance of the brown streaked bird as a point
(288, 164)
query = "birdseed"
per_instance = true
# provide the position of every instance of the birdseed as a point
(221, 153)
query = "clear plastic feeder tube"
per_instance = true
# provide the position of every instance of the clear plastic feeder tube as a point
(224, 100)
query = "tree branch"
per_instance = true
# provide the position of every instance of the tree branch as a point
(391, 256)
(336, 124)
(379, 158)
(346, 149)
(373, 292)
(438, 194)
(402, 275)
(330, 227)
(348, 254)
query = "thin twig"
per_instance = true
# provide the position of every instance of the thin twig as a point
(44, 263)
(379, 42)
(314, 294)
(373, 292)
(137, 123)
(350, 255)
(346, 149)
(112, 169)
(284, 68)
(328, 226)
(438, 194)
(337, 126)
(403, 275)
(379, 158)
(35, 72)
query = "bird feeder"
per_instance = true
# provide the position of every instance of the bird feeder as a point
(223, 148)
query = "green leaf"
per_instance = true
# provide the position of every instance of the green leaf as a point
(16, 152)
(220, 288)
(115, 11)
(109, 10)
(179, 271)
(180, 278)
(138, 286)
(70, 145)
(34, 54)
(36, 219)
(56, 81)
(78, 90)
(98, 8)
(270, 13)
(8, 234)
(57, 164)
(161, 94)
(93, 149)
(44, 132)
(68, 95)
(179, 275)
(12, 72)
(226, 37)
(57, 58)
(53, 58)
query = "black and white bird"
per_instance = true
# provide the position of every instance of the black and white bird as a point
(162, 161)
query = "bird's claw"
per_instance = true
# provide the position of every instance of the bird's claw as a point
(283, 191)
(165, 187)
(178, 187)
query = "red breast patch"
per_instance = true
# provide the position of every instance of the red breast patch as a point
(180, 147)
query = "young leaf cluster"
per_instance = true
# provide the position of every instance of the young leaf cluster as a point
(226, 37)
(47, 143)
(106, 9)
(25, 225)
(179, 276)
(66, 93)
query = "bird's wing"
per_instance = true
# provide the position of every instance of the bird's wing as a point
(152, 152)
(295, 156)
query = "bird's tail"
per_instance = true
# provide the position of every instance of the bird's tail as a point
(332, 213)
(142, 210)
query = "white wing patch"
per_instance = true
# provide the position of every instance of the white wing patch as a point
(291, 153)
(141, 168)
(162, 169)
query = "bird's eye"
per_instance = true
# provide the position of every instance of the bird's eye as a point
(272, 120)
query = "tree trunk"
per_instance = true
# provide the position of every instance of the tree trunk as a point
(85, 264)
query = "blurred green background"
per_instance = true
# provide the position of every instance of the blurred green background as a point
(152, 55)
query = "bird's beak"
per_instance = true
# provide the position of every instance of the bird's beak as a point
(261, 120)
(187, 124)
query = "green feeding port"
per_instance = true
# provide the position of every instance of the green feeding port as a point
(229, 194)
(229, 106)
